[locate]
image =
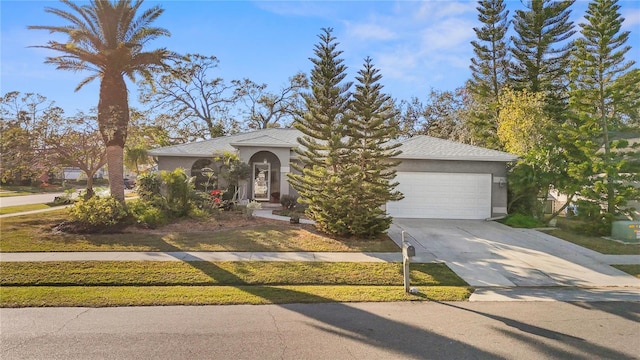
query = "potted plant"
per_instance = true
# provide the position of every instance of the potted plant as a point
(253, 205)
(288, 202)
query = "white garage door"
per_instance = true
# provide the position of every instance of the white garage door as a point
(442, 196)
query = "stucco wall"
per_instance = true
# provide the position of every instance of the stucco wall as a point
(171, 163)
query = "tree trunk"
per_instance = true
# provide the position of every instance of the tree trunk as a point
(113, 119)
(116, 173)
(89, 192)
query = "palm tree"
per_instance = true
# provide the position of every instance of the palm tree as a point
(106, 38)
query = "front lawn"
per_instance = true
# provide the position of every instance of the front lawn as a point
(171, 273)
(16, 190)
(23, 208)
(32, 233)
(113, 283)
(596, 243)
(629, 269)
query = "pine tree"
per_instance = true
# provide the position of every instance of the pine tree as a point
(371, 128)
(489, 70)
(321, 175)
(541, 51)
(600, 90)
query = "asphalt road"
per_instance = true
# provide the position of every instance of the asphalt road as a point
(535, 330)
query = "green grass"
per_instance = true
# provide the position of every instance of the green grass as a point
(595, 243)
(113, 283)
(5, 193)
(102, 296)
(11, 190)
(23, 208)
(31, 233)
(629, 269)
(144, 273)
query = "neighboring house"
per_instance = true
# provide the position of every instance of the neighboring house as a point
(439, 178)
(74, 173)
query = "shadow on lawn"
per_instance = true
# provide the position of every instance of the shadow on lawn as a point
(404, 339)
(356, 324)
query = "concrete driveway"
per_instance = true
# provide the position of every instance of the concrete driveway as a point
(489, 254)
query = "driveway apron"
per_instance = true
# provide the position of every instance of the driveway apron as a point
(490, 254)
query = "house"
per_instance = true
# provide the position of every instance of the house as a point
(439, 178)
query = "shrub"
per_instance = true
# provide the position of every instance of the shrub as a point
(149, 186)
(251, 207)
(288, 201)
(146, 214)
(595, 221)
(203, 202)
(98, 212)
(177, 189)
(65, 199)
(522, 221)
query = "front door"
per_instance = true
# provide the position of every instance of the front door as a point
(261, 181)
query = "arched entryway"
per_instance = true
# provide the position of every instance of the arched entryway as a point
(264, 184)
(206, 174)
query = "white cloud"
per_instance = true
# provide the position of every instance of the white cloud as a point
(369, 32)
(448, 35)
(297, 8)
(631, 19)
(433, 10)
(398, 64)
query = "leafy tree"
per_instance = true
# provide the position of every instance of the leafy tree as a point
(523, 128)
(142, 136)
(410, 117)
(194, 105)
(108, 39)
(320, 178)
(599, 91)
(79, 144)
(541, 51)
(370, 131)
(27, 121)
(489, 70)
(443, 115)
(267, 109)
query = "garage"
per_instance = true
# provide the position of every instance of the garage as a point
(442, 196)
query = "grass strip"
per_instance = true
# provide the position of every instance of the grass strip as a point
(23, 208)
(629, 269)
(144, 273)
(100, 296)
(595, 243)
(7, 193)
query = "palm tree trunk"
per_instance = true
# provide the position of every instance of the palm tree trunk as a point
(113, 119)
(116, 173)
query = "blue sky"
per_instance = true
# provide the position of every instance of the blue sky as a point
(418, 46)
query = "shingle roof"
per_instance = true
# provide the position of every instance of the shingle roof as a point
(265, 137)
(427, 147)
(418, 147)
